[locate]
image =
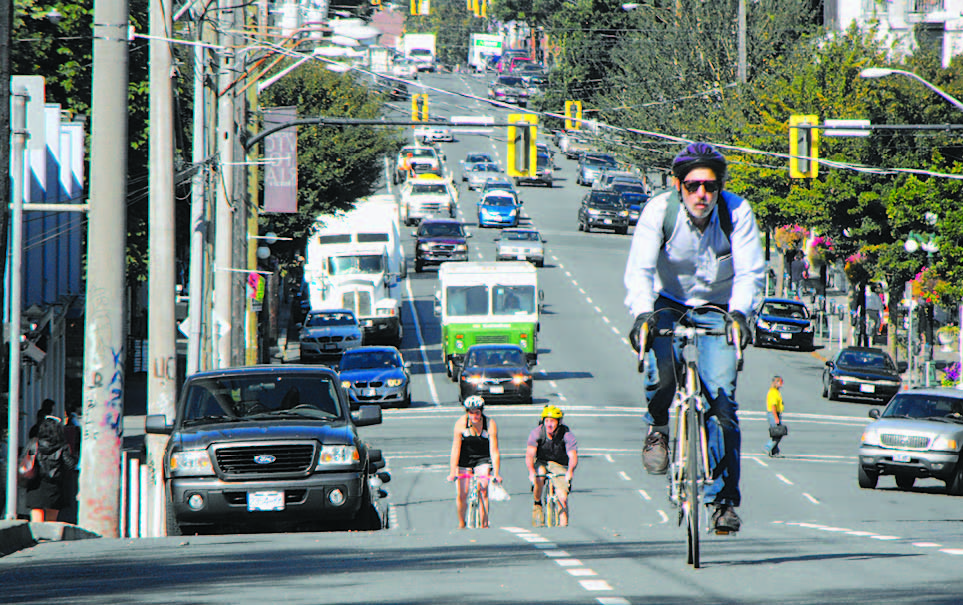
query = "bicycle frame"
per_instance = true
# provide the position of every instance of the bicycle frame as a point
(551, 504)
(473, 500)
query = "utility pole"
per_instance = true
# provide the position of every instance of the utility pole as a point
(104, 334)
(6, 26)
(161, 330)
(743, 68)
(224, 212)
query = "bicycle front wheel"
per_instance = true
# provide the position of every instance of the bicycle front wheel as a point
(473, 514)
(692, 485)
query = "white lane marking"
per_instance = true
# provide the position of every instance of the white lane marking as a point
(569, 275)
(569, 562)
(559, 263)
(532, 538)
(927, 544)
(952, 551)
(429, 376)
(597, 309)
(625, 341)
(553, 384)
(810, 498)
(582, 572)
(624, 476)
(885, 537)
(609, 458)
(645, 495)
(834, 529)
(595, 585)
(861, 534)
(555, 553)
(665, 517)
(615, 331)
(562, 397)
(605, 319)
(581, 290)
(612, 601)
(588, 299)
(783, 479)
(516, 530)
(760, 462)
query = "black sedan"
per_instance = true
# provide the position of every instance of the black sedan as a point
(862, 373)
(783, 322)
(499, 373)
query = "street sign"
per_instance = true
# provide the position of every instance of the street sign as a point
(846, 128)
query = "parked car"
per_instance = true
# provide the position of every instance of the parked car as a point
(781, 322)
(603, 210)
(919, 434)
(499, 373)
(543, 172)
(498, 209)
(376, 375)
(520, 244)
(591, 164)
(508, 89)
(329, 333)
(862, 373)
(480, 173)
(268, 447)
(433, 134)
(440, 241)
(474, 158)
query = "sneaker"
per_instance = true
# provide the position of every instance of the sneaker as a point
(725, 520)
(538, 516)
(655, 453)
(775, 451)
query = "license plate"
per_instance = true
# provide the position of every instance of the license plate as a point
(368, 393)
(330, 347)
(785, 336)
(261, 501)
(520, 257)
(901, 457)
(867, 388)
(497, 389)
(608, 221)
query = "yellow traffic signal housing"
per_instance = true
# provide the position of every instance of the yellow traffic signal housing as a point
(420, 7)
(803, 147)
(522, 151)
(573, 115)
(419, 108)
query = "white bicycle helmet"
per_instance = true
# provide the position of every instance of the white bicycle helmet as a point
(475, 402)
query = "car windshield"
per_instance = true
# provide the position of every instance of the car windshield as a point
(496, 357)
(467, 300)
(274, 393)
(419, 52)
(521, 236)
(509, 81)
(365, 360)
(600, 199)
(325, 320)
(866, 359)
(419, 153)
(440, 230)
(789, 310)
(922, 405)
(499, 200)
(428, 189)
(369, 264)
(599, 161)
(485, 168)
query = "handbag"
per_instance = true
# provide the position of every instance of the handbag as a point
(27, 467)
(777, 431)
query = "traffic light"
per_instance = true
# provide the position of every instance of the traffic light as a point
(522, 152)
(803, 147)
(420, 7)
(573, 115)
(419, 108)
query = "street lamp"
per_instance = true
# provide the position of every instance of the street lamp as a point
(880, 72)
(928, 242)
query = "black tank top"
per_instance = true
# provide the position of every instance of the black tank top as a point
(552, 450)
(475, 449)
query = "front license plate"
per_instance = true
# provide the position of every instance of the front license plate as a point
(330, 347)
(901, 457)
(608, 221)
(261, 501)
(497, 389)
(369, 393)
(867, 388)
(785, 336)
(520, 257)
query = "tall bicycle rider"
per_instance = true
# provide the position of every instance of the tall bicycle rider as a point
(696, 245)
(474, 451)
(551, 448)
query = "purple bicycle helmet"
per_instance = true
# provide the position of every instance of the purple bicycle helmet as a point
(699, 155)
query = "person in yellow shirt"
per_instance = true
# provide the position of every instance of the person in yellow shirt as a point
(774, 409)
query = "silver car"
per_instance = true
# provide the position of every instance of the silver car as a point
(474, 158)
(479, 174)
(329, 333)
(919, 434)
(520, 244)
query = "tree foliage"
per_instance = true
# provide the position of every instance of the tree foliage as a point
(453, 25)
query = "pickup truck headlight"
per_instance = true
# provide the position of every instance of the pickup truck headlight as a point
(623, 213)
(474, 379)
(944, 444)
(808, 328)
(763, 324)
(461, 248)
(191, 464)
(336, 455)
(345, 384)
(593, 211)
(870, 437)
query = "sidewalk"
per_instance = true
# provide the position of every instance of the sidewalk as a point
(17, 535)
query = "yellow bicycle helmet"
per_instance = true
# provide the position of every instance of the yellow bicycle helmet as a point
(551, 411)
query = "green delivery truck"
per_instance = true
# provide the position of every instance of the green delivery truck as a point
(487, 303)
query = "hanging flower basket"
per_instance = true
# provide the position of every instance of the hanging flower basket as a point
(951, 375)
(928, 286)
(821, 251)
(857, 268)
(790, 237)
(947, 337)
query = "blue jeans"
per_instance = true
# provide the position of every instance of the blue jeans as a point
(717, 371)
(772, 444)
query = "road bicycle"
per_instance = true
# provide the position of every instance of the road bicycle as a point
(473, 507)
(551, 505)
(689, 470)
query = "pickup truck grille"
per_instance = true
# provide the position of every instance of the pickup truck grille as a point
(912, 442)
(265, 459)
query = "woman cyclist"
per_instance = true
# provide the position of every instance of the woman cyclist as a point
(474, 451)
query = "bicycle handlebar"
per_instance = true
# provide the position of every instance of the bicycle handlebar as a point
(688, 333)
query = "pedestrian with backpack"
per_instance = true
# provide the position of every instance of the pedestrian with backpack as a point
(47, 491)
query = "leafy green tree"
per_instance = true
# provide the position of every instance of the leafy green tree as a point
(453, 24)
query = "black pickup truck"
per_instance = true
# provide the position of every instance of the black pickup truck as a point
(269, 447)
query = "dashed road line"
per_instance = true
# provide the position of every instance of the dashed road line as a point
(782, 478)
(810, 498)
(665, 517)
(574, 567)
(624, 476)
(645, 495)
(870, 535)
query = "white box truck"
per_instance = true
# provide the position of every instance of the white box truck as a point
(420, 49)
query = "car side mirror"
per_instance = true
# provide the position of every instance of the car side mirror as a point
(366, 415)
(407, 365)
(830, 364)
(874, 413)
(467, 235)
(544, 241)
(156, 424)
(414, 234)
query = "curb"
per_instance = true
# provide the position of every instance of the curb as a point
(18, 535)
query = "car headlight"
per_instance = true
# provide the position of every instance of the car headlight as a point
(395, 382)
(520, 379)
(847, 379)
(351, 337)
(424, 247)
(944, 444)
(337, 454)
(345, 384)
(870, 437)
(511, 212)
(763, 324)
(808, 328)
(624, 213)
(193, 463)
(593, 211)
(461, 248)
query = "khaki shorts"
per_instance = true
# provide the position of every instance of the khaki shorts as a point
(561, 485)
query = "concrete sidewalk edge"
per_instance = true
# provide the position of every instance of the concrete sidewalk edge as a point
(18, 535)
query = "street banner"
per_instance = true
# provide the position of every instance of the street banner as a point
(281, 155)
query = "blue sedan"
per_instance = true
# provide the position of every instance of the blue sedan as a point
(376, 375)
(498, 209)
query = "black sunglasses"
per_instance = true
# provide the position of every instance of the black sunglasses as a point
(693, 186)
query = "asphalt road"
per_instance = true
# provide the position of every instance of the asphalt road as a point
(810, 534)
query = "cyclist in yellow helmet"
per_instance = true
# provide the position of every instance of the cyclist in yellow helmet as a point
(551, 447)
